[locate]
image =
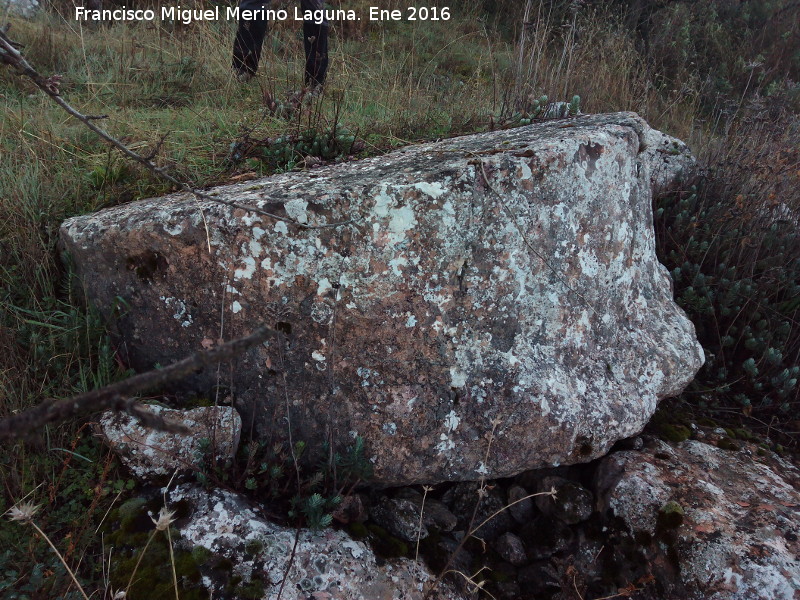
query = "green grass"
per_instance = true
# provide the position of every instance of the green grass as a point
(169, 92)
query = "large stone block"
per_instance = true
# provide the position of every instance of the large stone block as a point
(501, 285)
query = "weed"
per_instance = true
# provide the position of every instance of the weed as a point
(24, 513)
(730, 242)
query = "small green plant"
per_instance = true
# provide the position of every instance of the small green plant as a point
(315, 509)
(308, 491)
(286, 151)
(575, 105)
(108, 174)
(732, 249)
(352, 466)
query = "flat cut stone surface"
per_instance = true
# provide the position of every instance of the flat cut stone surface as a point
(504, 282)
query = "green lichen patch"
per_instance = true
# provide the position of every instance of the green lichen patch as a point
(674, 433)
(385, 544)
(671, 515)
(726, 443)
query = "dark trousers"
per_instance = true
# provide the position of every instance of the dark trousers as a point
(250, 39)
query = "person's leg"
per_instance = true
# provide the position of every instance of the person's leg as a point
(315, 43)
(249, 39)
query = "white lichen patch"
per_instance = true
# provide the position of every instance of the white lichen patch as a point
(255, 248)
(451, 421)
(396, 263)
(323, 286)
(400, 219)
(433, 189)
(245, 272)
(175, 229)
(296, 209)
(181, 313)
(458, 377)
(445, 444)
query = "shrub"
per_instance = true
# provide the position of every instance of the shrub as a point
(731, 245)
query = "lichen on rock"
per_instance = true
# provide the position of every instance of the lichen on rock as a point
(298, 564)
(150, 454)
(503, 282)
(716, 525)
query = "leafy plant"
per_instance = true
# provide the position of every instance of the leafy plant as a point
(316, 509)
(732, 248)
(288, 150)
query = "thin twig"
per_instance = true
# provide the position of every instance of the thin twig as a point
(118, 396)
(426, 489)
(482, 493)
(61, 558)
(290, 562)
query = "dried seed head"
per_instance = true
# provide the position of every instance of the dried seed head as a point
(23, 512)
(165, 519)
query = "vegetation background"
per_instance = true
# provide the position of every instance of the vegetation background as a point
(723, 75)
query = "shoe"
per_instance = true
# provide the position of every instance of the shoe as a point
(243, 76)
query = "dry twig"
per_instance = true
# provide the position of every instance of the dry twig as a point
(118, 396)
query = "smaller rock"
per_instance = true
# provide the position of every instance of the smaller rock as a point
(713, 522)
(539, 579)
(151, 454)
(438, 515)
(295, 565)
(521, 510)
(490, 510)
(450, 549)
(669, 158)
(435, 513)
(400, 517)
(545, 537)
(511, 548)
(350, 510)
(573, 502)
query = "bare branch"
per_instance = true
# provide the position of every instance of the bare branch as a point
(119, 396)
